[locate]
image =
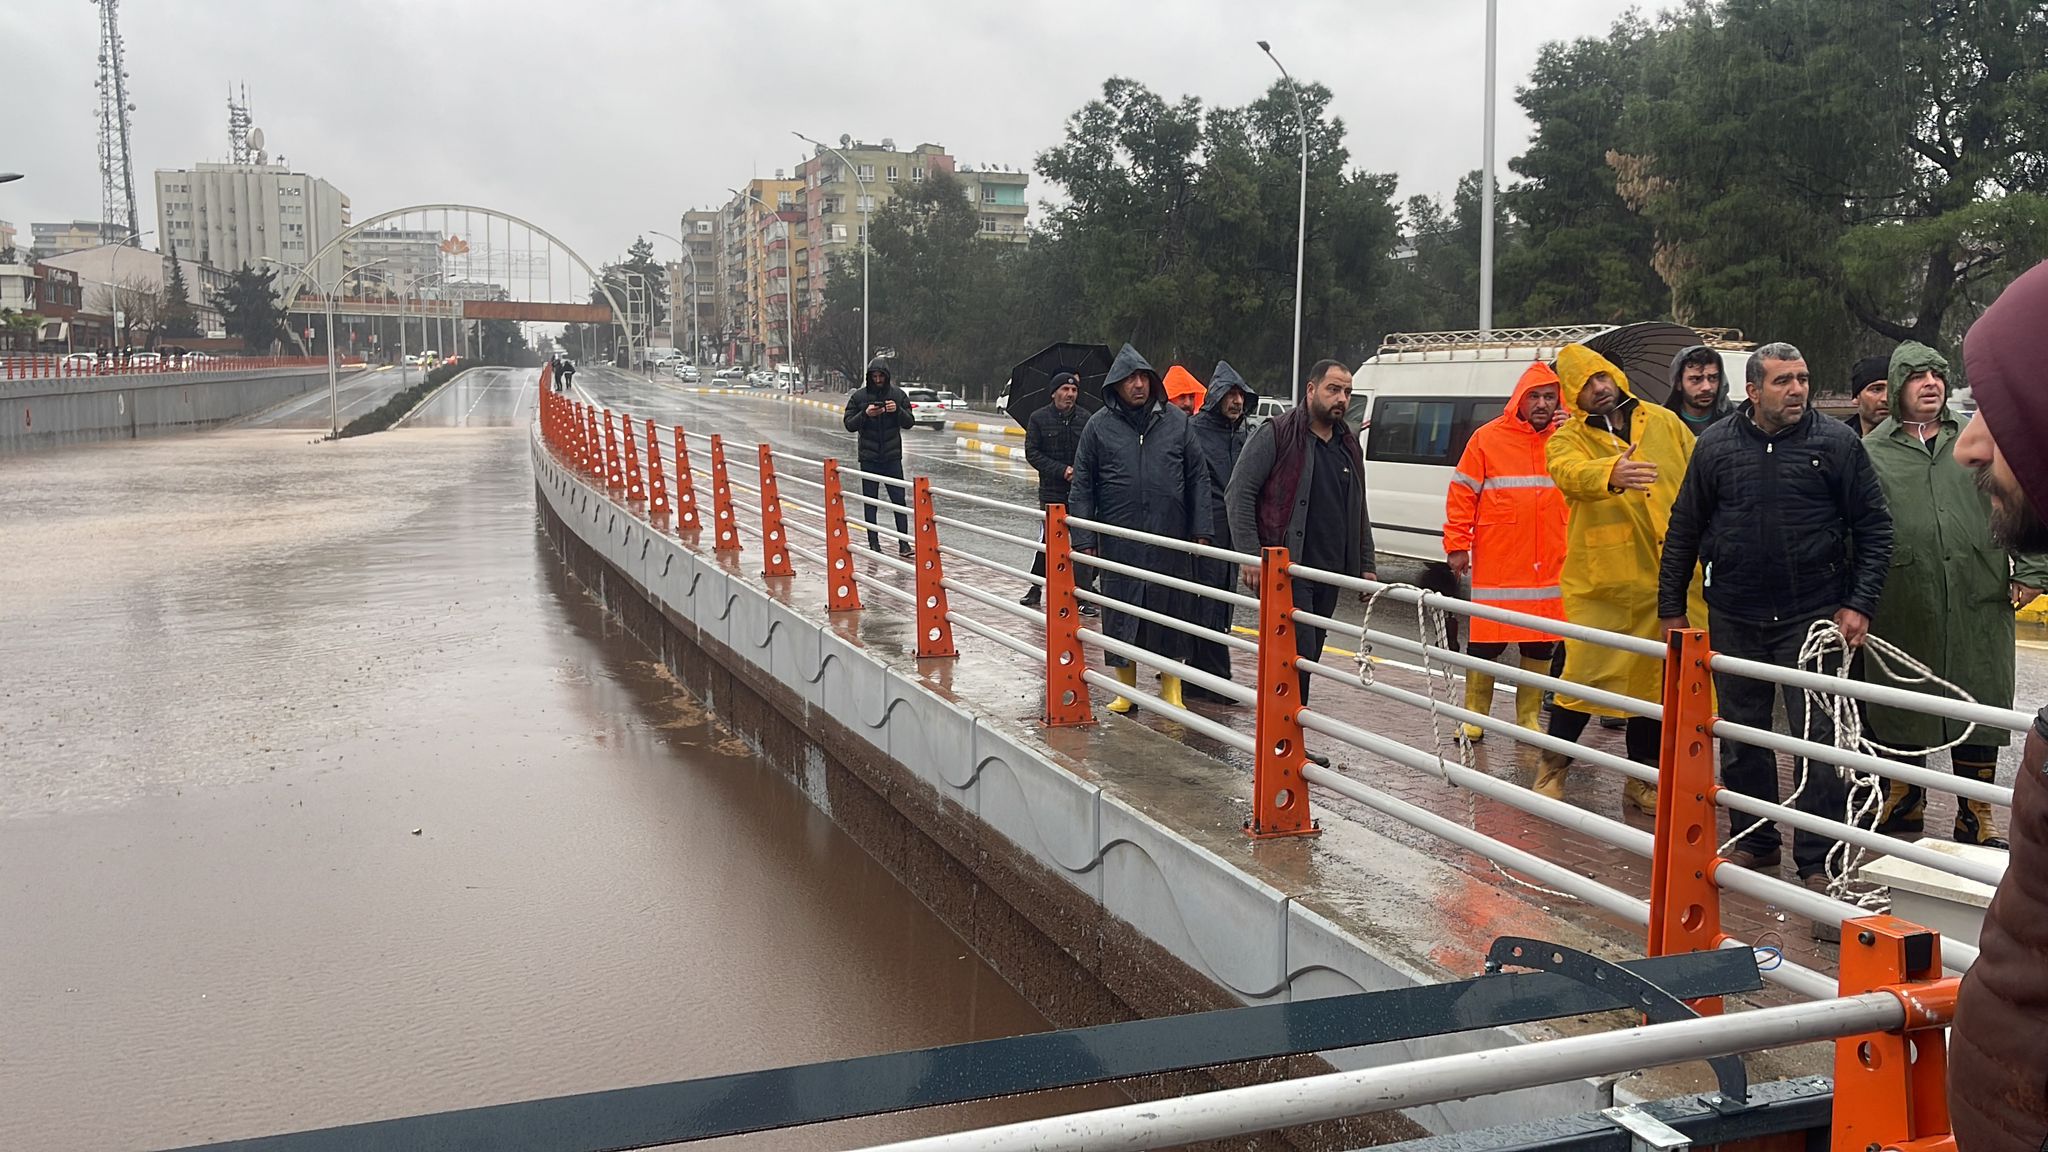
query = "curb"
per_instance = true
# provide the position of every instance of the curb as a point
(985, 429)
(987, 448)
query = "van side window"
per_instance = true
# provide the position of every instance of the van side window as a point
(1426, 430)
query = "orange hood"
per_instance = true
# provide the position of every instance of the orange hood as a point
(1181, 382)
(1534, 376)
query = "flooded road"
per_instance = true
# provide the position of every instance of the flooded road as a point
(327, 798)
(356, 391)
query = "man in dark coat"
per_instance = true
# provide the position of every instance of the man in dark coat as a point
(1219, 429)
(877, 415)
(1051, 434)
(1699, 388)
(1869, 383)
(1998, 1047)
(1300, 484)
(1138, 467)
(1785, 511)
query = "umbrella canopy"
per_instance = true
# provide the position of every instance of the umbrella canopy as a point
(1031, 381)
(1645, 352)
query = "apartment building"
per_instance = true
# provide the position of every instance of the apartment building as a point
(242, 215)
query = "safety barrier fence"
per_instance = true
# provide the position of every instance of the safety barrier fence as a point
(1688, 873)
(43, 366)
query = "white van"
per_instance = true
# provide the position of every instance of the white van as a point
(1426, 392)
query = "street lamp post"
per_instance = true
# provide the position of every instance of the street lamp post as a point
(788, 281)
(333, 366)
(1301, 220)
(691, 259)
(1486, 178)
(405, 286)
(866, 238)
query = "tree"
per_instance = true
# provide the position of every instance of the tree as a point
(138, 302)
(250, 308)
(179, 321)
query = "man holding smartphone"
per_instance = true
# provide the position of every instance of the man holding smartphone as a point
(877, 415)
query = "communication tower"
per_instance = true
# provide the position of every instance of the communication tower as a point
(117, 180)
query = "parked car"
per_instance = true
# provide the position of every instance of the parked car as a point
(926, 408)
(951, 401)
(1003, 406)
(1268, 408)
(143, 361)
(687, 373)
(79, 361)
(732, 373)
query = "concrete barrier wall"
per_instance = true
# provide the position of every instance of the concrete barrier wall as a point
(49, 412)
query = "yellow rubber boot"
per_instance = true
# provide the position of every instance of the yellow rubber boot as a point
(1478, 698)
(1529, 697)
(1169, 690)
(1129, 675)
(1551, 770)
(1641, 794)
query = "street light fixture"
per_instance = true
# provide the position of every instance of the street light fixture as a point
(327, 292)
(1301, 221)
(866, 237)
(9, 177)
(1486, 178)
(788, 281)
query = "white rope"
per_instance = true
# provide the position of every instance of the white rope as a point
(1826, 645)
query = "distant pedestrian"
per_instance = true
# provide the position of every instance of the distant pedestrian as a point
(1051, 434)
(1219, 429)
(1869, 382)
(1998, 1045)
(1949, 599)
(1504, 526)
(567, 373)
(1783, 509)
(877, 414)
(1699, 388)
(1138, 467)
(1619, 463)
(1183, 391)
(1300, 485)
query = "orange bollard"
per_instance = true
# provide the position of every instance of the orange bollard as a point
(774, 544)
(934, 630)
(657, 480)
(842, 590)
(726, 536)
(1685, 903)
(636, 487)
(614, 467)
(686, 488)
(1066, 691)
(1891, 1088)
(1279, 794)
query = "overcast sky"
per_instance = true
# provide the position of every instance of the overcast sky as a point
(603, 118)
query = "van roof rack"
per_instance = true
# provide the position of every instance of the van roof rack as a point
(1551, 337)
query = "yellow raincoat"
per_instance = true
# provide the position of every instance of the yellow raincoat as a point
(1615, 540)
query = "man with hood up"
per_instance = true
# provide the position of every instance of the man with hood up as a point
(877, 414)
(1138, 467)
(1183, 391)
(1998, 1046)
(1949, 598)
(1619, 463)
(1699, 388)
(1219, 430)
(1504, 526)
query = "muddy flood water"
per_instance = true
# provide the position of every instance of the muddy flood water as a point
(324, 797)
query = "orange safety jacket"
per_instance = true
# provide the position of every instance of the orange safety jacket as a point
(1504, 508)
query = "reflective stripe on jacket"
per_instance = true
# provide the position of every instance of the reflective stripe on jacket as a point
(1504, 508)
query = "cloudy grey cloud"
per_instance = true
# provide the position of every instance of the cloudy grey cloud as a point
(602, 118)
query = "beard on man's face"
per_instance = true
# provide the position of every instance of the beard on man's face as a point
(2014, 520)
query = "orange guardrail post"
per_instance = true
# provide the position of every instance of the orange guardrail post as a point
(1891, 1088)
(774, 544)
(657, 480)
(934, 631)
(1066, 690)
(582, 442)
(1279, 794)
(636, 487)
(614, 467)
(842, 590)
(1685, 903)
(686, 488)
(727, 534)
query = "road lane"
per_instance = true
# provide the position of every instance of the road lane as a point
(481, 398)
(356, 392)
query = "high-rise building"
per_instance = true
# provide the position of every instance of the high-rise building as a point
(73, 236)
(400, 257)
(695, 283)
(833, 198)
(766, 223)
(241, 215)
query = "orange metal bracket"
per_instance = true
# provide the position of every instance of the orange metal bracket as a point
(657, 480)
(726, 537)
(614, 468)
(1066, 689)
(934, 631)
(1891, 1088)
(842, 591)
(1685, 903)
(686, 488)
(1279, 794)
(774, 545)
(636, 487)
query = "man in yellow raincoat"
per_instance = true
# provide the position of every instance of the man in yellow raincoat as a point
(1619, 464)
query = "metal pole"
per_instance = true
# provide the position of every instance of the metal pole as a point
(1486, 178)
(1301, 223)
(1262, 1107)
(333, 384)
(866, 238)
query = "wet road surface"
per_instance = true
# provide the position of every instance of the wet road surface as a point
(328, 798)
(356, 392)
(482, 398)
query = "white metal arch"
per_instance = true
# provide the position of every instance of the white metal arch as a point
(619, 314)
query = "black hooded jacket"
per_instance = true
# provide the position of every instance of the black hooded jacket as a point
(1676, 401)
(880, 436)
(1222, 440)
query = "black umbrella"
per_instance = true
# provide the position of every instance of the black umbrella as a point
(1031, 381)
(1645, 352)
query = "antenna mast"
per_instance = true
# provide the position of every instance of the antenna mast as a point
(117, 180)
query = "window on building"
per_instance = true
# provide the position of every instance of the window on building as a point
(784, 201)
(890, 175)
(867, 173)
(867, 203)
(988, 195)
(863, 230)
(988, 223)
(839, 231)
(917, 177)
(705, 226)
